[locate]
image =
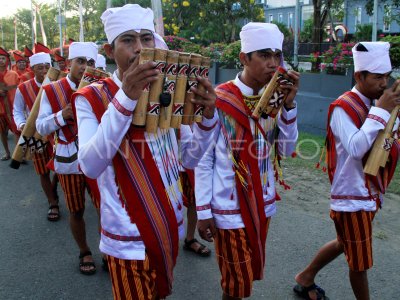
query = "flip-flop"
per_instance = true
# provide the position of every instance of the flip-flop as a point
(83, 264)
(53, 216)
(5, 157)
(302, 291)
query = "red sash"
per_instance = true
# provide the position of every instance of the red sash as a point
(358, 112)
(59, 94)
(29, 90)
(141, 190)
(249, 188)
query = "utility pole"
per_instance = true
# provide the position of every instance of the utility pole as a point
(60, 27)
(375, 21)
(81, 36)
(158, 16)
(32, 23)
(296, 36)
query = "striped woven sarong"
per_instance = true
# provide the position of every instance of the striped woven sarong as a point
(354, 231)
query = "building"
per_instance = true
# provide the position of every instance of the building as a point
(283, 11)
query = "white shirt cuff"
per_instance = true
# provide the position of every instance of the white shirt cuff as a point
(59, 119)
(125, 101)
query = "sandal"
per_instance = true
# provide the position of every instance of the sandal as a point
(5, 157)
(201, 251)
(53, 216)
(83, 264)
(303, 291)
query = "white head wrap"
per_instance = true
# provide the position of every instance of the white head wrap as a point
(257, 36)
(118, 20)
(375, 60)
(40, 58)
(83, 49)
(101, 61)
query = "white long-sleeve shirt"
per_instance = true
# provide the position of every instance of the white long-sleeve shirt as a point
(48, 122)
(20, 109)
(99, 144)
(351, 145)
(216, 195)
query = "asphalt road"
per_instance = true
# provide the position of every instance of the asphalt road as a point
(39, 259)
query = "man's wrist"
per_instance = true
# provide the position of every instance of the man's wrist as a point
(290, 106)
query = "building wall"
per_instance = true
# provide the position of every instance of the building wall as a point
(355, 10)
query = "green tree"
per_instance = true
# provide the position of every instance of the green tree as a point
(209, 21)
(395, 6)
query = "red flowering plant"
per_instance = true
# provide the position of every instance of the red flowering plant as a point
(181, 44)
(214, 51)
(338, 58)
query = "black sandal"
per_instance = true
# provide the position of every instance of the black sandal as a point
(83, 264)
(53, 216)
(302, 291)
(201, 251)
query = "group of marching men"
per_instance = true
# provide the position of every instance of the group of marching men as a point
(138, 180)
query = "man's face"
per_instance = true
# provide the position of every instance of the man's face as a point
(61, 64)
(78, 66)
(40, 71)
(21, 65)
(128, 45)
(262, 65)
(3, 61)
(372, 85)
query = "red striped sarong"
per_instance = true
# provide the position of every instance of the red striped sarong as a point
(132, 279)
(234, 256)
(73, 186)
(354, 231)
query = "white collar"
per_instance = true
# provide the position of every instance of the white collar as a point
(71, 83)
(246, 90)
(37, 82)
(116, 79)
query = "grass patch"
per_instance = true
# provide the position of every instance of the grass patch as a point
(308, 152)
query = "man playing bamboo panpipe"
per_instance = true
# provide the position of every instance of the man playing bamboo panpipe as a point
(55, 116)
(234, 205)
(24, 98)
(137, 171)
(9, 81)
(353, 125)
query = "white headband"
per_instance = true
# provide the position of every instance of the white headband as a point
(101, 61)
(375, 60)
(118, 20)
(257, 36)
(40, 58)
(83, 49)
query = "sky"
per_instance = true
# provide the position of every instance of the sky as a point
(10, 7)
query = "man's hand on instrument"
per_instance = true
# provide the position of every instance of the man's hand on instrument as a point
(291, 89)
(390, 98)
(136, 77)
(67, 112)
(205, 98)
(207, 229)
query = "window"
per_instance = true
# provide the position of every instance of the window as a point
(387, 15)
(271, 18)
(358, 15)
(280, 18)
(290, 20)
